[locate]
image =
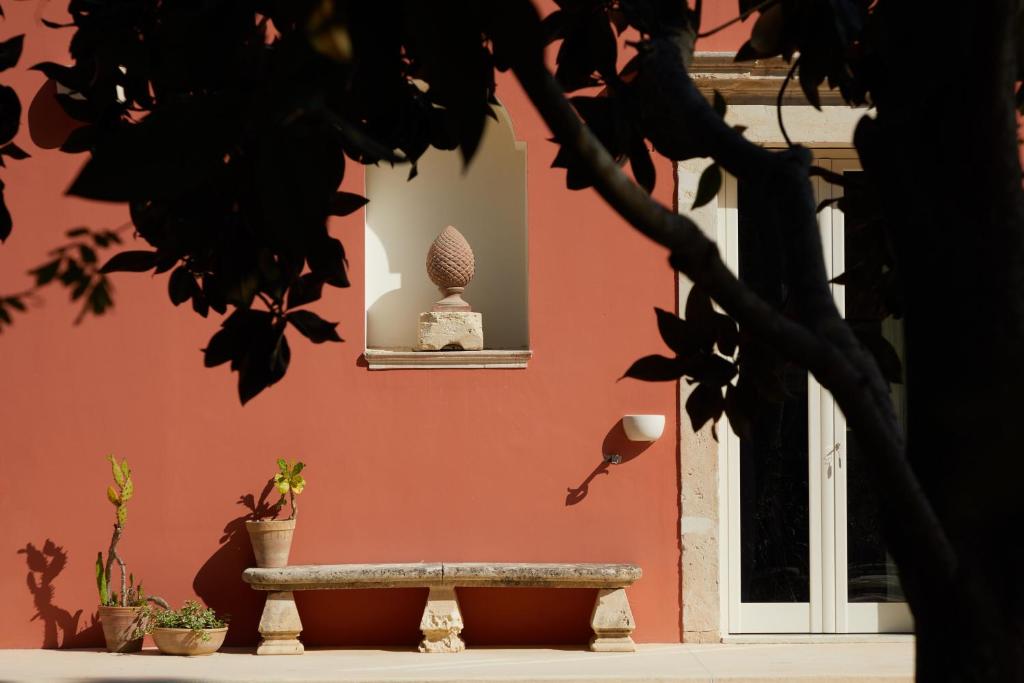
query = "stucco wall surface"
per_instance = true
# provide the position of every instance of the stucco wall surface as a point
(444, 465)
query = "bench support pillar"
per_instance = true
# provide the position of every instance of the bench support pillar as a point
(612, 621)
(442, 621)
(280, 626)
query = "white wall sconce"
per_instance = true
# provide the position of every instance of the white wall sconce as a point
(643, 427)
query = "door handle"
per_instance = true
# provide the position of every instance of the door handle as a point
(827, 459)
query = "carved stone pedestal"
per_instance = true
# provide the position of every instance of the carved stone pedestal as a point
(442, 330)
(280, 626)
(612, 622)
(442, 622)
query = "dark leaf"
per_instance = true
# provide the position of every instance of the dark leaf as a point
(130, 261)
(553, 26)
(704, 404)
(313, 327)
(45, 273)
(199, 303)
(708, 185)
(306, 289)
(701, 315)
(87, 254)
(643, 167)
(767, 35)
(13, 151)
(740, 404)
(10, 113)
(327, 259)
(826, 202)
(181, 285)
(676, 333)
(655, 368)
(880, 347)
(10, 51)
(81, 139)
(746, 53)
(345, 203)
(726, 334)
(711, 370)
(15, 302)
(5, 217)
(222, 347)
(720, 104)
(77, 232)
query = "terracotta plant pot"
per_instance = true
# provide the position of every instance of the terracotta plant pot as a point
(271, 541)
(185, 641)
(120, 624)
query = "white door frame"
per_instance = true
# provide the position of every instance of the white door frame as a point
(828, 610)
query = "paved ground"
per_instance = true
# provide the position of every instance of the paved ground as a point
(886, 662)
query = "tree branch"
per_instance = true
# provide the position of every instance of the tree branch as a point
(830, 351)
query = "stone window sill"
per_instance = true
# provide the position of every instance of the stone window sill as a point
(407, 359)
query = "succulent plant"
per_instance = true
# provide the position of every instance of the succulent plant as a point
(131, 595)
(192, 616)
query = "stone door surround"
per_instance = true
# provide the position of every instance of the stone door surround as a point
(280, 626)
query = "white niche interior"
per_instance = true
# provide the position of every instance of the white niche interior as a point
(487, 204)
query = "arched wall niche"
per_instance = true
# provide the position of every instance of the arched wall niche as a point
(487, 203)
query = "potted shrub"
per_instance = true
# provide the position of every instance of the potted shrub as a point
(121, 613)
(272, 538)
(192, 630)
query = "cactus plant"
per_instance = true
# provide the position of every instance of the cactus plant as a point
(289, 482)
(130, 595)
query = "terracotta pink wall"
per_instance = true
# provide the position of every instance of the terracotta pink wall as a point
(403, 465)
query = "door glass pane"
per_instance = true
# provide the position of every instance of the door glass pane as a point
(871, 573)
(774, 524)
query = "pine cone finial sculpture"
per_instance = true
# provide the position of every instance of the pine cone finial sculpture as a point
(451, 265)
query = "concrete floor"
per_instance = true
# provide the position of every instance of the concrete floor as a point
(879, 662)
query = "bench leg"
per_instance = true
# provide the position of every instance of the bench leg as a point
(442, 621)
(612, 622)
(280, 626)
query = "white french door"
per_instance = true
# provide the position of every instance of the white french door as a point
(802, 539)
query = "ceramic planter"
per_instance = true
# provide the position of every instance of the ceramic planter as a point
(185, 641)
(120, 626)
(271, 540)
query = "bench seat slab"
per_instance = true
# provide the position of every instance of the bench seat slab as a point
(335, 576)
(540, 575)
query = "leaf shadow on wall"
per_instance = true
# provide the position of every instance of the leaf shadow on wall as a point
(615, 443)
(219, 581)
(48, 124)
(60, 626)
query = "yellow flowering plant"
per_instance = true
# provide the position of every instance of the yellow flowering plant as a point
(289, 483)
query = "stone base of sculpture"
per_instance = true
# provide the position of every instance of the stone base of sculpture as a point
(450, 330)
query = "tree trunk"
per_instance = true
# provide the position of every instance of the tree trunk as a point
(944, 153)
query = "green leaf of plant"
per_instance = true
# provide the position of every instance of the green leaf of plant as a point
(708, 185)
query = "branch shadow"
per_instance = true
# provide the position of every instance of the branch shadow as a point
(60, 626)
(219, 581)
(615, 443)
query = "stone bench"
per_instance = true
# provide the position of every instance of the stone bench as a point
(280, 626)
